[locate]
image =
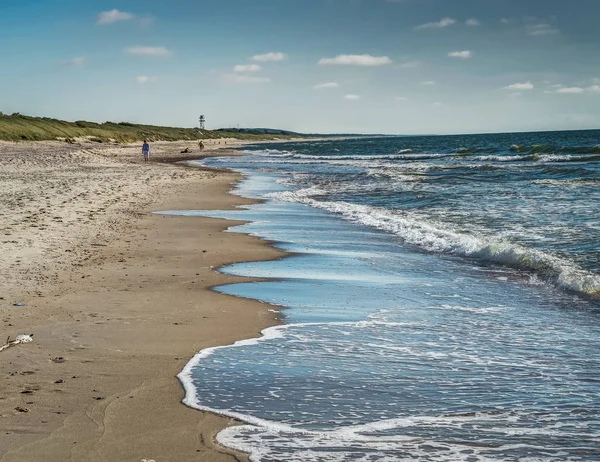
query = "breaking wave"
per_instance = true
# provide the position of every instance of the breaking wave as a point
(439, 237)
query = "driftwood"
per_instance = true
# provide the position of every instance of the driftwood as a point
(20, 339)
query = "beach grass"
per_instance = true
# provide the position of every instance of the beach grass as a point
(18, 127)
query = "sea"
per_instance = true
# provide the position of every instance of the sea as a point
(441, 301)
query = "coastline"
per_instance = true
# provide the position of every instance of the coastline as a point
(117, 314)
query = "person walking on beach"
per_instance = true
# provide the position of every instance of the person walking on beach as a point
(146, 151)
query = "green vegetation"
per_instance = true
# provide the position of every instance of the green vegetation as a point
(17, 127)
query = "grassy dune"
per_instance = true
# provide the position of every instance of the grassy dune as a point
(17, 127)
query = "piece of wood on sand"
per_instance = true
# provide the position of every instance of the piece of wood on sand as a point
(20, 339)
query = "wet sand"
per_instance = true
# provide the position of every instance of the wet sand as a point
(117, 300)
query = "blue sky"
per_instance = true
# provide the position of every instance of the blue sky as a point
(370, 66)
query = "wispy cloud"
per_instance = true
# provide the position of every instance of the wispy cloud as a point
(149, 51)
(570, 90)
(74, 62)
(409, 64)
(356, 60)
(145, 79)
(247, 68)
(352, 97)
(473, 22)
(273, 56)
(520, 86)
(444, 22)
(428, 83)
(400, 98)
(326, 85)
(460, 54)
(541, 29)
(112, 16)
(240, 79)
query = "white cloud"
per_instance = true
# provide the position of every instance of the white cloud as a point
(112, 16)
(520, 86)
(504, 21)
(428, 83)
(541, 29)
(571, 90)
(594, 88)
(149, 51)
(400, 98)
(74, 62)
(409, 64)
(273, 56)
(326, 85)
(247, 68)
(352, 97)
(444, 22)
(145, 79)
(437, 104)
(356, 60)
(473, 22)
(237, 79)
(460, 54)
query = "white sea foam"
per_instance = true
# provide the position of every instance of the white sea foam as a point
(441, 237)
(529, 157)
(401, 155)
(342, 445)
(405, 157)
(271, 440)
(271, 333)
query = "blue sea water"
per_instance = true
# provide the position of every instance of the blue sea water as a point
(441, 302)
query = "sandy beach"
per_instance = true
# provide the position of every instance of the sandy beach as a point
(117, 300)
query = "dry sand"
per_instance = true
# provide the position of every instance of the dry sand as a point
(117, 300)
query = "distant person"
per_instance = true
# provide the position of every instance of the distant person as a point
(186, 151)
(146, 151)
(201, 145)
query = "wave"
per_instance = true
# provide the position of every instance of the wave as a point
(192, 400)
(404, 154)
(410, 159)
(552, 149)
(439, 237)
(572, 183)
(584, 151)
(266, 439)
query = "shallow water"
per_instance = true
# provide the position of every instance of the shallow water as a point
(392, 351)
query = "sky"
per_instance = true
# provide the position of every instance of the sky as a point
(314, 66)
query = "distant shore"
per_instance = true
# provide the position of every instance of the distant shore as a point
(117, 300)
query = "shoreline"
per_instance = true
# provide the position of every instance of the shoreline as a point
(114, 326)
